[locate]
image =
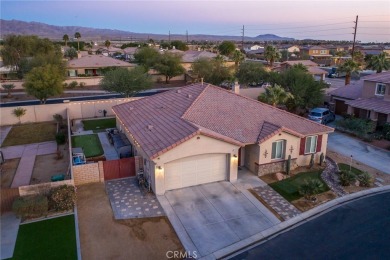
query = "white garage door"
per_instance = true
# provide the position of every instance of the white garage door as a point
(195, 170)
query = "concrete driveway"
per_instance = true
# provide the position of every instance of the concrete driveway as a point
(362, 152)
(214, 216)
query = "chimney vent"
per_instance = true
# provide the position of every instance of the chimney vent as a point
(178, 91)
(150, 127)
(189, 95)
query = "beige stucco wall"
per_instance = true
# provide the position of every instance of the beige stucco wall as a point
(291, 141)
(197, 145)
(369, 89)
(89, 81)
(252, 155)
(79, 109)
(251, 92)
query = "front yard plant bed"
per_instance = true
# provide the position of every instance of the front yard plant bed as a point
(31, 133)
(99, 124)
(48, 239)
(90, 144)
(289, 188)
(345, 167)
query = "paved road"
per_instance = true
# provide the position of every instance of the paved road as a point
(357, 230)
(362, 152)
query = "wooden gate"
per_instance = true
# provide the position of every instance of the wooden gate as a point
(7, 198)
(116, 169)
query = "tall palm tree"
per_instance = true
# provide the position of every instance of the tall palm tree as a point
(65, 38)
(77, 35)
(107, 43)
(275, 96)
(238, 57)
(271, 54)
(379, 62)
(348, 67)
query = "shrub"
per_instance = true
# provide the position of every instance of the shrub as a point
(73, 84)
(347, 178)
(30, 206)
(62, 198)
(82, 84)
(60, 138)
(309, 188)
(386, 131)
(360, 127)
(365, 179)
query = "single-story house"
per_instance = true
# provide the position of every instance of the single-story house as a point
(312, 67)
(202, 133)
(367, 98)
(92, 65)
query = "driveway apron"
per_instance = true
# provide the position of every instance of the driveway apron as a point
(216, 215)
(362, 152)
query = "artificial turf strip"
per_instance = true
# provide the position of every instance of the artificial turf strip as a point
(48, 239)
(90, 144)
(289, 188)
(99, 124)
(31, 133)
(345, 167)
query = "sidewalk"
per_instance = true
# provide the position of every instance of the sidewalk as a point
(109, 150)
(27, 153)
(9, 232)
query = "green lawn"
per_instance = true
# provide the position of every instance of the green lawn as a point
(99, 124)
(31, 133)
(345, 167)
(289, 188)
(48, 239)
(90, 144)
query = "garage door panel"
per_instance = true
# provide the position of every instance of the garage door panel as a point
(195, 170)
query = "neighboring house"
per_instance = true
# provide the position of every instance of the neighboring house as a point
(367, 98)
(318, 54)
(202, 133)
(290, 48)
(8, 72)
(253, 48)
(129, 53)
(92, 65)
(189, 57)
(312, 67)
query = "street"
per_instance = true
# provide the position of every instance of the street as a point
(356, 230)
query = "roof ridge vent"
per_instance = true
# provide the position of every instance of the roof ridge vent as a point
(150, 127)
(178, 91)
(189, 95)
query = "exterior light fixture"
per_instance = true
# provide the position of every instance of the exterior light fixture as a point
(235, 155)
(159, 167)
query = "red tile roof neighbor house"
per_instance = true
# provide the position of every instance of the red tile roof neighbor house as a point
(160, 122)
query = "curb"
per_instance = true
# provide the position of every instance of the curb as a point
(76, 224)
(294, 222)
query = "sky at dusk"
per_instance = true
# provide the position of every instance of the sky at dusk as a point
(316, 19)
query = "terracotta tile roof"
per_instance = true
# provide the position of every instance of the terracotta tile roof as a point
(375, 104)
(161, 122)
(192, 56)
(97, 61)
(316, 71)
(303, 62)
(350, 91)
(383, 77)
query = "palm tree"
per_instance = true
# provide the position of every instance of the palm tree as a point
(107, 43)
(379, 62)
(238, 57)
(271, 54)
(275, 96)
(348, 67)
(77, 35)
(65, 38)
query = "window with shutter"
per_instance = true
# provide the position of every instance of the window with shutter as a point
(311, 144)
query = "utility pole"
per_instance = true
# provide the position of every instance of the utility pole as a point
(242, 39)
(169, 37)
(354, 36)
(187, 36)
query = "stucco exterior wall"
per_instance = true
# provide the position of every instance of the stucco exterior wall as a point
(44, 113)
(197, 145)
(252, 155)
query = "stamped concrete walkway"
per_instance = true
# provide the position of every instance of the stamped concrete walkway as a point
(284, 208)
(27, 153)
(127, 200)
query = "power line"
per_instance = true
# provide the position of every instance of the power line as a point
(299, 27)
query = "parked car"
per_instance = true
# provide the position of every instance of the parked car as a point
(321, 115)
